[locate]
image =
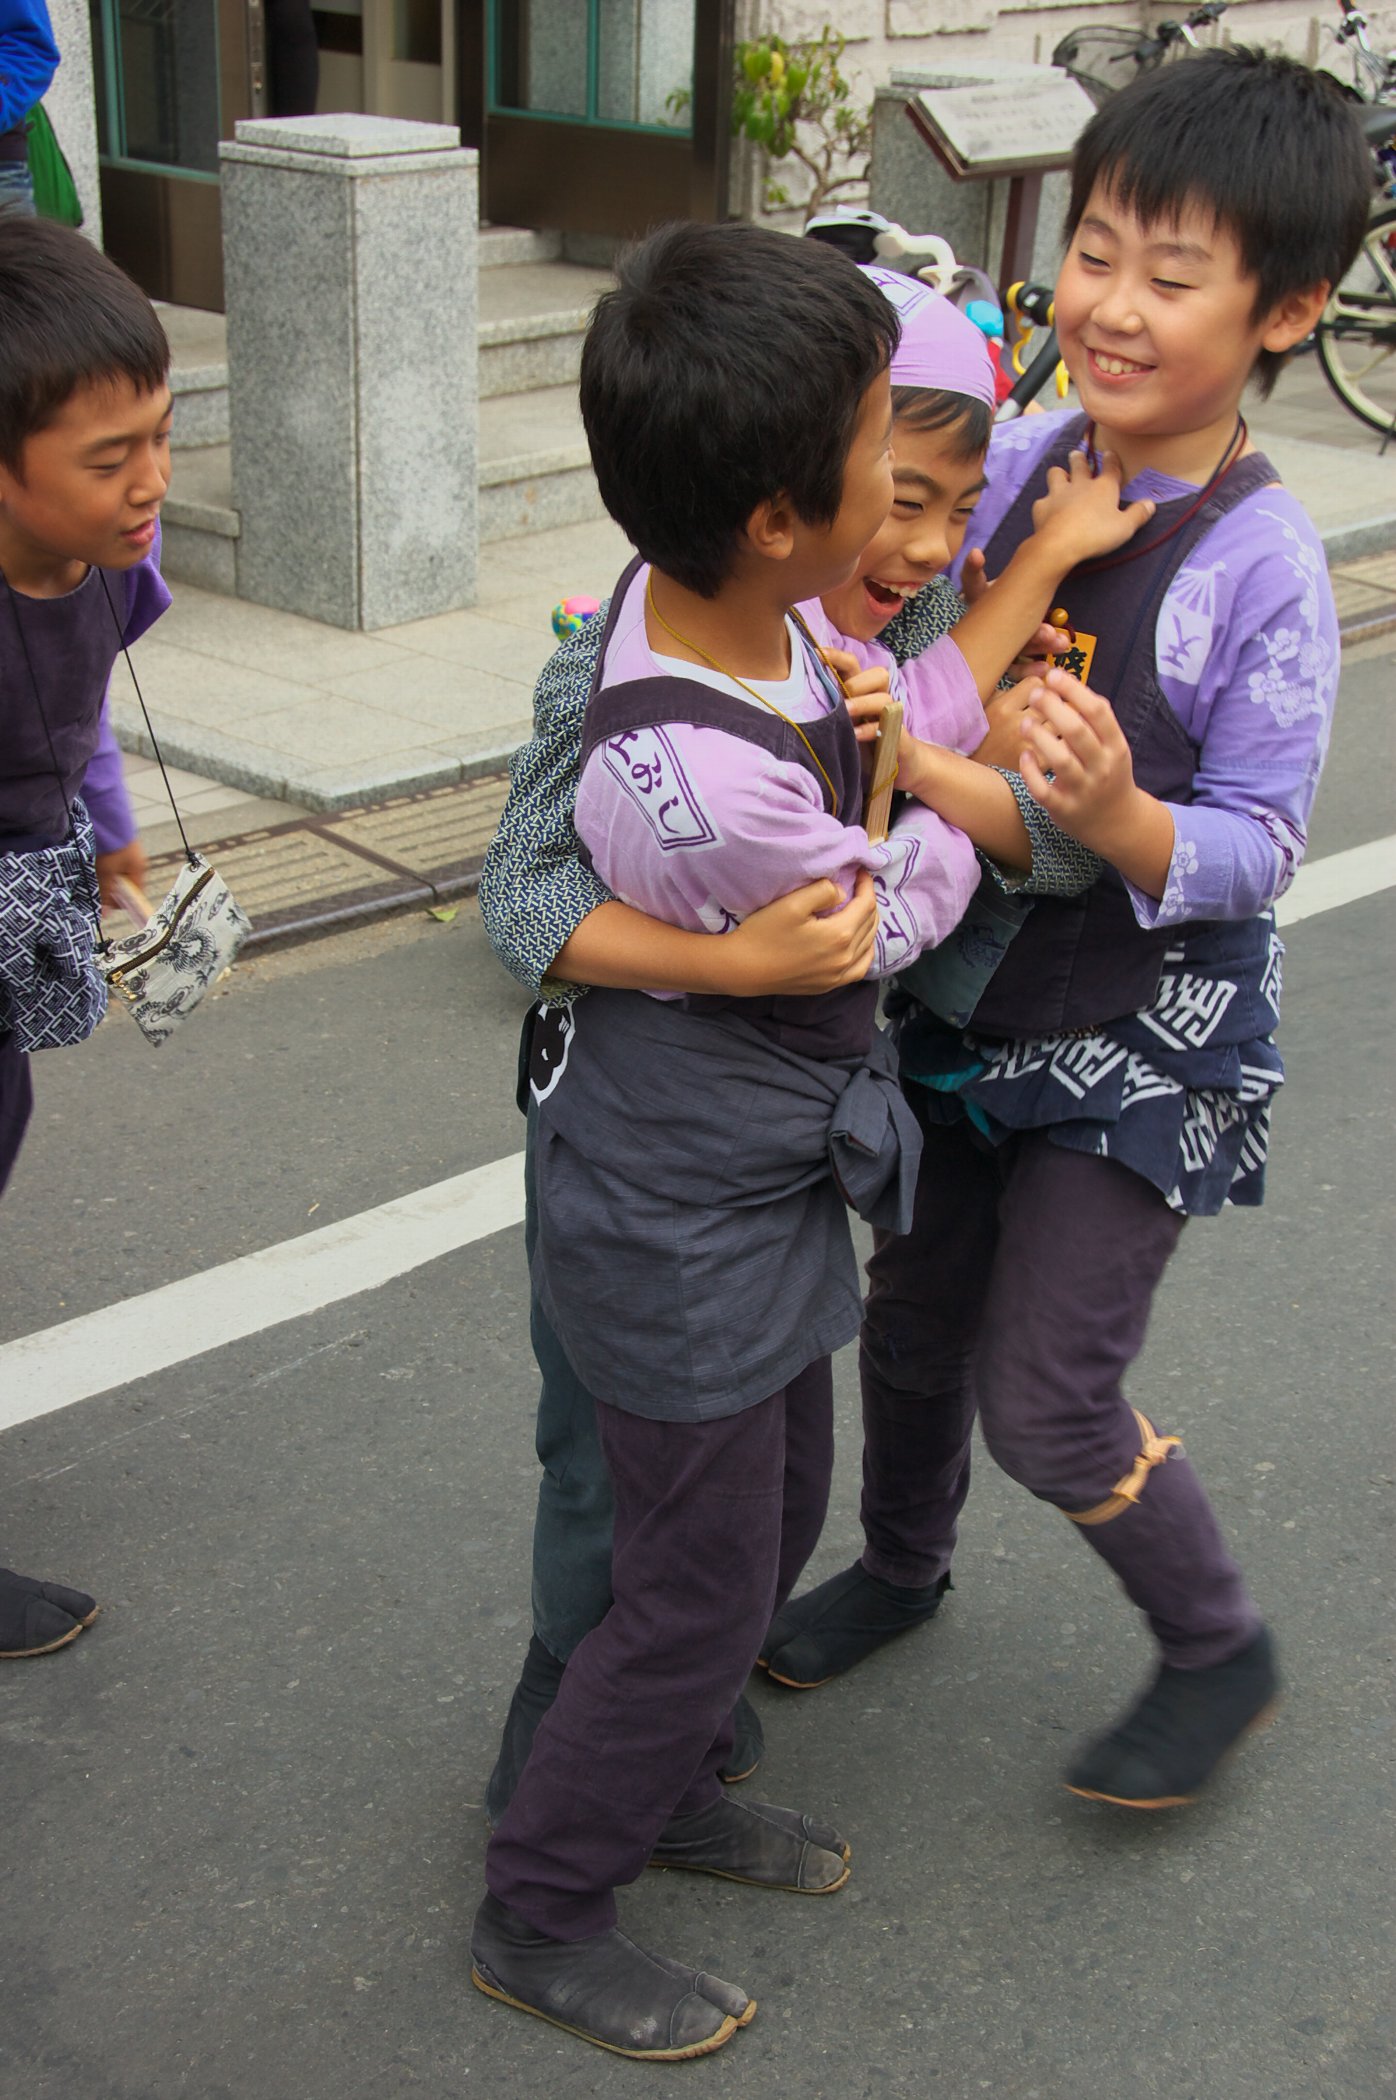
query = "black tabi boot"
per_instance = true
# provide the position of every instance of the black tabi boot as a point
(1171, 1742)
(751, 1841)
(37, 1617)
(534, 1694)
(605, 1989)
(842, 1622)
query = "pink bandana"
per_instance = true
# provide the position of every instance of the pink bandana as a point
(940, 346)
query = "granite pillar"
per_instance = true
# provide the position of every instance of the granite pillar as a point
(350, 262)
(72, 109)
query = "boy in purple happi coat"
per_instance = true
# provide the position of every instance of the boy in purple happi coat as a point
(84, 464)
(1116, 1075)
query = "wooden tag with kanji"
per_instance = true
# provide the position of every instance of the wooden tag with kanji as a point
(1078, 656)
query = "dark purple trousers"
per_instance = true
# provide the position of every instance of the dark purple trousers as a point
(16, 1102)
(713, 1523)
(1024, 1287)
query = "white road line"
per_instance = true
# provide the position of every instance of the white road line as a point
(140, 1336)
(121, 1343)
(1337, 879)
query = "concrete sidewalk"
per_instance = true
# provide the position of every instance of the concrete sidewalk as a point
(292, 712)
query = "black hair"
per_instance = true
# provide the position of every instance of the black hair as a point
(727, 368)
(68, 318)
(969, 422)
(1267, 145)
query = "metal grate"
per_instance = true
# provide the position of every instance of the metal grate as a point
(314, 873)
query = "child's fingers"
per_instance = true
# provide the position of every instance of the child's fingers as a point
(842, 661)
(973, 581)
(1043, 743)
(1092, 707)
(875, 681)
(1136, 514)
(1060, 719)
(866, 706)
(1034, 778)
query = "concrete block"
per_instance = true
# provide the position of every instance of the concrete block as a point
(349, 246)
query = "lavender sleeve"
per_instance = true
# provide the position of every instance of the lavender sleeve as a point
(104, 783)
(1248, 658)
(104, 791)
(700, 829)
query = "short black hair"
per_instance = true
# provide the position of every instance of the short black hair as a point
(1265, 144)
(68, 318)
(726, 368)
(969, 422)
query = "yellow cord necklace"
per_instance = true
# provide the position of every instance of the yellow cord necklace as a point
(723, 672)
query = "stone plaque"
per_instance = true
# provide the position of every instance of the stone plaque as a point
(1023, 124)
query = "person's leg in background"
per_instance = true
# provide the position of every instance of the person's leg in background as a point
(925, 1301)
(16, 187)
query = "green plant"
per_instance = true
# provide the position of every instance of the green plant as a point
(793, 102)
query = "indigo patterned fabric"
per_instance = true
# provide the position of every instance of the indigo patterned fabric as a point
(51, 990)
(534, 891)
(1180, 1093)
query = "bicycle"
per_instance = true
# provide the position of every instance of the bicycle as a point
(1356, 337)
(1090, 54)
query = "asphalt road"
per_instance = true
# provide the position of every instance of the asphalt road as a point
(242, 1838)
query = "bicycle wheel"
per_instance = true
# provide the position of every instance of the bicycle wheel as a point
(1357, 335)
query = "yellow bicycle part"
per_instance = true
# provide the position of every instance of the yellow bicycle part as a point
(1026, 329)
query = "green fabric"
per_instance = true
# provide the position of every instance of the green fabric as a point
(55, 192)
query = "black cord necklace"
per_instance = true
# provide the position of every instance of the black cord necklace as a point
(1235, 444)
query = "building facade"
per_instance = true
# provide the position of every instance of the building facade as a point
(591, 116)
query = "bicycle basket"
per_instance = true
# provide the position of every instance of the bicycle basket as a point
(1103, 60)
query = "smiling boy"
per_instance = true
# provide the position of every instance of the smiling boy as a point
(1116, 1076)
(84, 465)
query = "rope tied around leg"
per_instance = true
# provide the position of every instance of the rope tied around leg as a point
(1154, 1450)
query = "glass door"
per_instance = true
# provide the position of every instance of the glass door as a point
(603, 116)
(171, 78)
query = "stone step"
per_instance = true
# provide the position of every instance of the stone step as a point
(198, 525)
(534, 473)
(532, 319)
(198, 374)
(501, 246)
(533, 314)
(535, 469)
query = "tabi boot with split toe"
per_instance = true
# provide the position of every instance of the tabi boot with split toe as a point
(842, 1622)
(1164, 1751)
(604, 1989)
(534, 1694)
(37, 1617)
(754, 1842)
